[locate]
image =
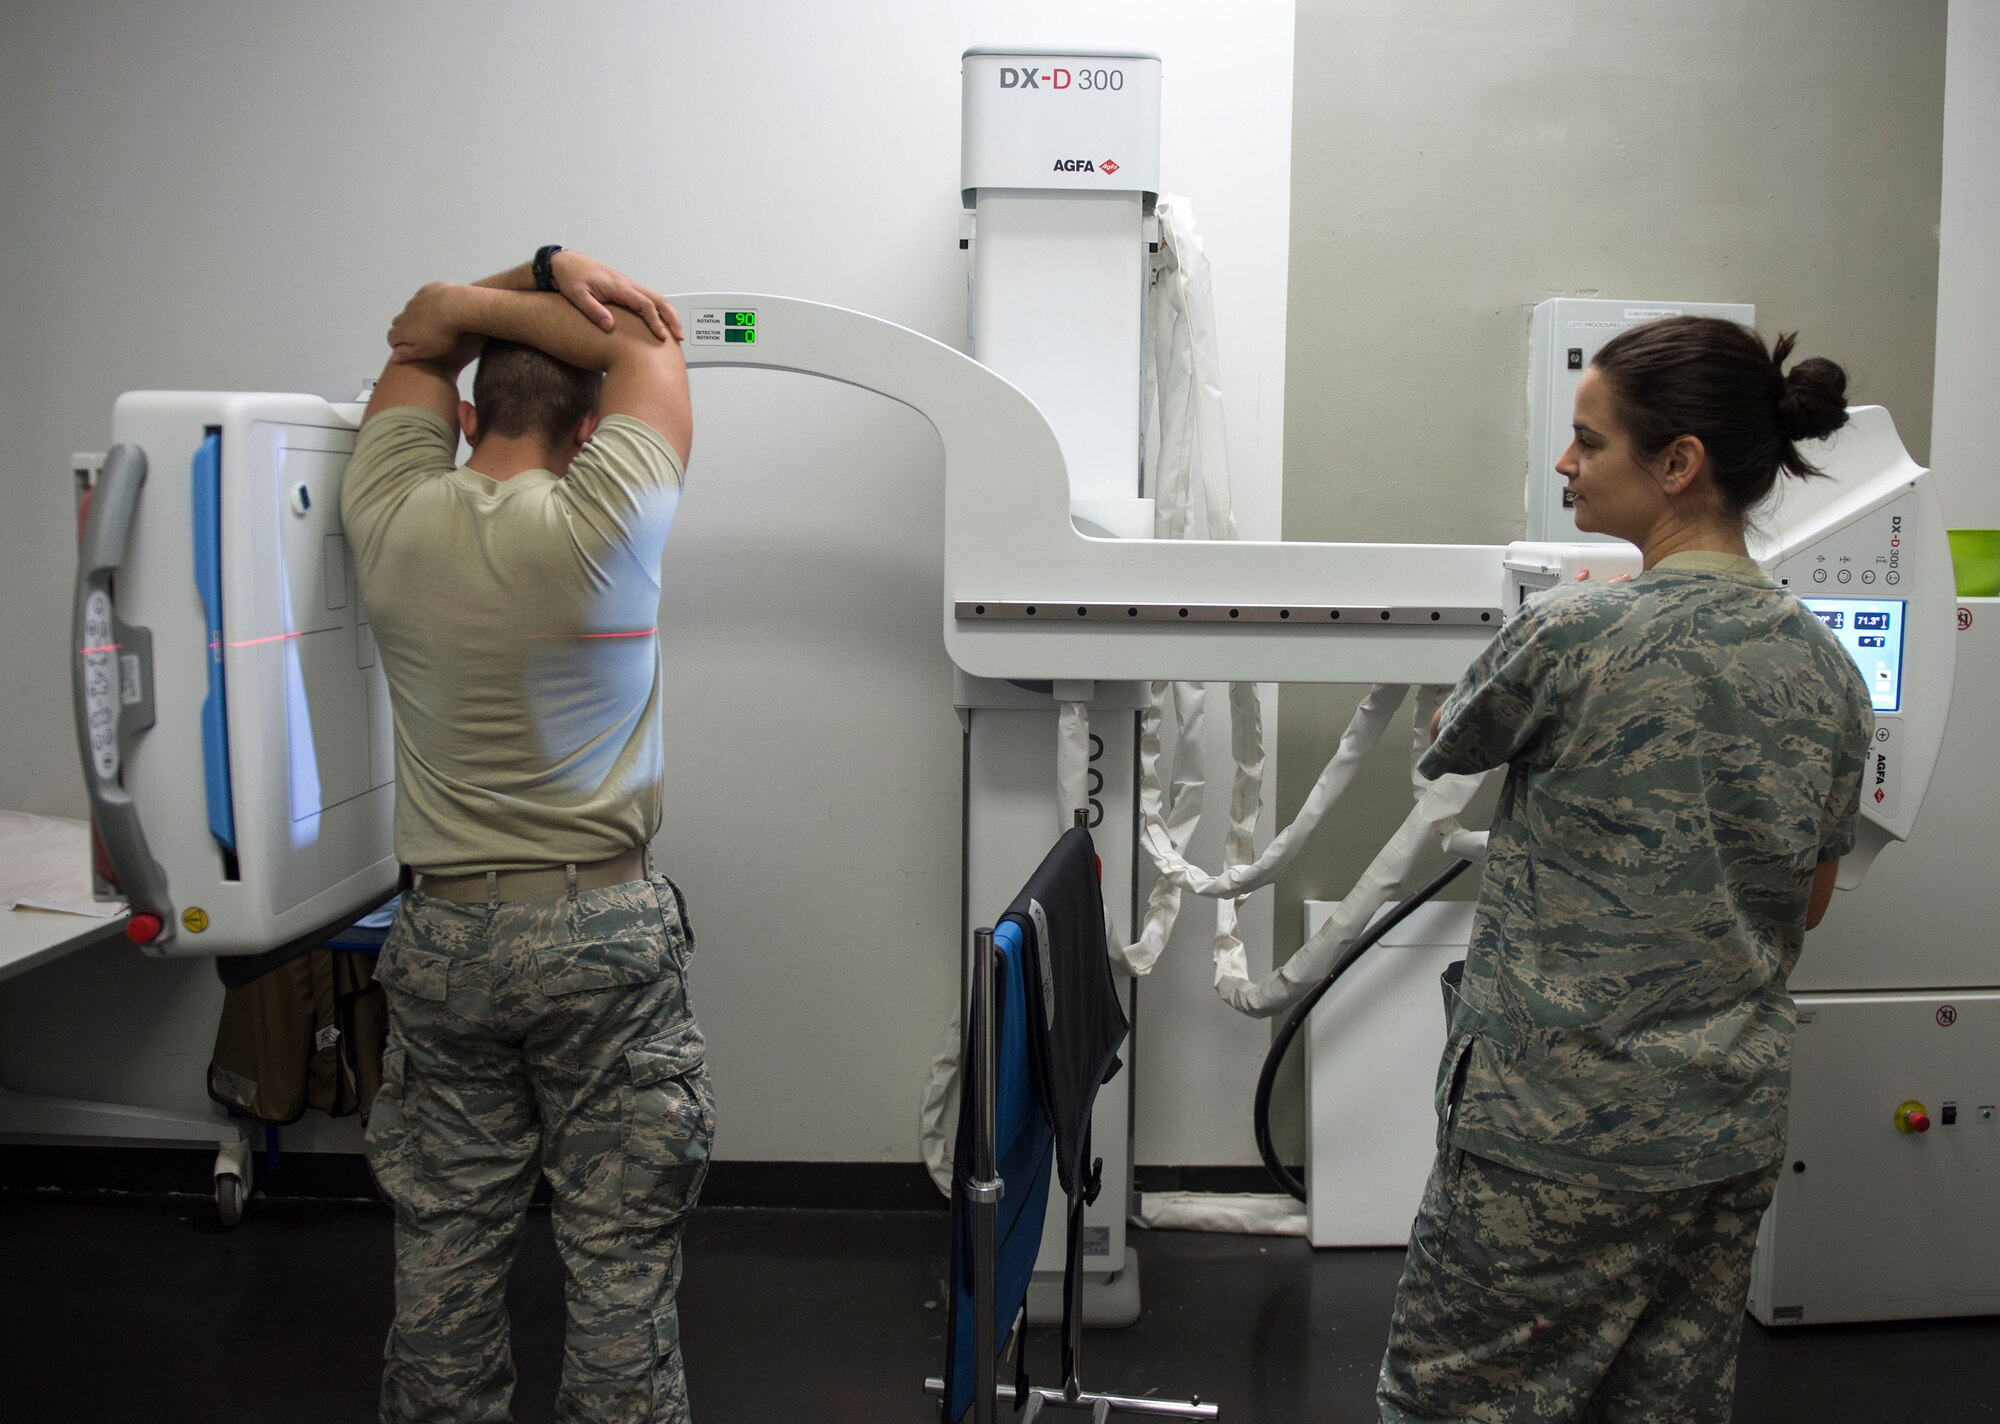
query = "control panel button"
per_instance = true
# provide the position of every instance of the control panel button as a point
(143, 929)
(1912, 1117)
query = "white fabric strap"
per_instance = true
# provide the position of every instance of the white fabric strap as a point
(1178, 817)
(1246, 802)
(1186, 384)
(1433, 819)
(1072, 763)
(1357, 743)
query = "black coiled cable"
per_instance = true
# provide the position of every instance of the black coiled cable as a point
(1280, 1173)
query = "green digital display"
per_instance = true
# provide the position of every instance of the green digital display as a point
(740, 333)
(734, 319)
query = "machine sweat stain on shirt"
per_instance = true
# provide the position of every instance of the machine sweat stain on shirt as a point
(1682, 750)
(517, 622)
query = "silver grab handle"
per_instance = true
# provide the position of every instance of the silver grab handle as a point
(112, 685)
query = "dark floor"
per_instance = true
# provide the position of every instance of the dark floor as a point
(126, 1309)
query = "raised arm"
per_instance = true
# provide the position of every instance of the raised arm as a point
(593, 289)
(430, 380)
(644, 377)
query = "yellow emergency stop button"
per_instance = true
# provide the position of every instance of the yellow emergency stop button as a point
(1911, 1117)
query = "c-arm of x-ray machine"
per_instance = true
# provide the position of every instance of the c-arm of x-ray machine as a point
(244, 676)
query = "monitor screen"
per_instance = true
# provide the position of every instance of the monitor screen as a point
(1872, 632)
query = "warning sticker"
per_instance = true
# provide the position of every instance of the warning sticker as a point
(194, 919)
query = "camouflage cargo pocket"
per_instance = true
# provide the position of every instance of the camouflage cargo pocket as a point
(386, 1141)
(669, 1126)
(594, 966)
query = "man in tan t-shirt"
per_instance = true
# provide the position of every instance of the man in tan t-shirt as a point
(539, 1018)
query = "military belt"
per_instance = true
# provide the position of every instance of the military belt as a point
(500, 887)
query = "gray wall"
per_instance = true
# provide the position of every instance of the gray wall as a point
(238, 195)
(1453, 164)
(1968, 358)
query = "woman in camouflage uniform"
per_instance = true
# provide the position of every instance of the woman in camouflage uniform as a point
(1683, 755)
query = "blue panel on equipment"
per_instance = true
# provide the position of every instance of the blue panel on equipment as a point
(1024, 1149)
(208, 580)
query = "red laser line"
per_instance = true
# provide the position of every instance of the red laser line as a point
(642, 633)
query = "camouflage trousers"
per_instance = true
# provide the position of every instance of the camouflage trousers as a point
(1528, 1299)
(552, 1036)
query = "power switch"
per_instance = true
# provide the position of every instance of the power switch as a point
(1947, 1114)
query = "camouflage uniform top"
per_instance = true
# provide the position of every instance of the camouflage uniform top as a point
(1682, 751)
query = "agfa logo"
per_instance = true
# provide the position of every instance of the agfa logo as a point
(1084, 165)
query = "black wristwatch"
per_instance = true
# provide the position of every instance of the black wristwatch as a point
(545, 267)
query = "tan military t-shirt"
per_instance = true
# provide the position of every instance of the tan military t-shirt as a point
(517, 623)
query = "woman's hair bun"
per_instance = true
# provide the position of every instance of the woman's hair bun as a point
(1813, 403)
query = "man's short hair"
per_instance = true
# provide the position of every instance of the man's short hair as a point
(519, 390)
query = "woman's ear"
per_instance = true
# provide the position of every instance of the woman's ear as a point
(1682, 464)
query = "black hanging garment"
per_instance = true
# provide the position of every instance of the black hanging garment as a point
(1075, 1020)
(1077, 1025)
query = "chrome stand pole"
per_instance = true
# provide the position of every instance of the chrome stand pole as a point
(985, 1187)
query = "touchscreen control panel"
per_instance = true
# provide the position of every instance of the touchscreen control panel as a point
(1872, 632)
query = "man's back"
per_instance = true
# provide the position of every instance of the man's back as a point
(516, 622)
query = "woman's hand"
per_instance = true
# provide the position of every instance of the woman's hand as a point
(593, 289)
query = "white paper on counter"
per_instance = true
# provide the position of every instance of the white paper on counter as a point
(45, 865)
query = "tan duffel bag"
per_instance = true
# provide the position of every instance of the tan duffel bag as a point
(306, 1032)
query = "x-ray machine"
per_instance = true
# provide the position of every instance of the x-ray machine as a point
(234, 724)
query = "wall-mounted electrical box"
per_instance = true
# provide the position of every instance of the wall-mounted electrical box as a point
(1567, 332)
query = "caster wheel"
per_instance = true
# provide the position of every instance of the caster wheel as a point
(229, 1200)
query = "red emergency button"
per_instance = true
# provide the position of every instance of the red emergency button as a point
(1911, 1117)
(144, 929)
